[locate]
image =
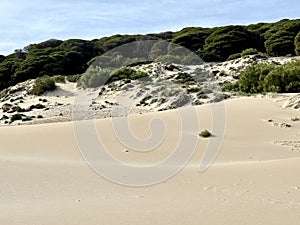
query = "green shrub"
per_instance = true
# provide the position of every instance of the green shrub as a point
(43, 84)
(251, 79)
(205, 134)
(269, 78)
(94, 77)
(230, 87)
(15, 117)
(126, 73)
(234, 56)
(59, 79)
(249, 51)
(73, 78)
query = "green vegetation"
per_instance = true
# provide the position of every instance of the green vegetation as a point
(73, 78)
(16, 117)
(226, 41)
(126, 73)
(192, 38)
(297, 44)
(95, 76)
(43, 84)
(74, 56)
(261, 78)
(248, 51)
(279, 39)
(205, 134)
(59, 79)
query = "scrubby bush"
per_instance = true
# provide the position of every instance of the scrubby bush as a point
(126, 73)
(249, 51)
(73, 78)
(251, 79)
(230, 87)
(43, 84)
(59, 79)
(95, 77)
(205, 134)
(269, 78)
(15, 117)
(234, 56)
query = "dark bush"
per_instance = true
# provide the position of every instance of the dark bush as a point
(205, 134)
(228, 40)
(59, 79)
(16, 117)
(73, 78)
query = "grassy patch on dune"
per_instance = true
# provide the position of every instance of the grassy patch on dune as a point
(43, 84)
(95, 77)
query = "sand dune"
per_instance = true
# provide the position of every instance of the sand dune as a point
(254, 180)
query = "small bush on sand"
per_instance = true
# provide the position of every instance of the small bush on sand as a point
(271, 78)
(59, 79)
(205, 134)
(234, 56)
(95, 77)
(43, 84)
(249, 51)
(15, 117)
(73, 78)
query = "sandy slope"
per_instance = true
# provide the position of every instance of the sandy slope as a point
(255, 179)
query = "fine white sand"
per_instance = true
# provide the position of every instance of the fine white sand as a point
(254, 180)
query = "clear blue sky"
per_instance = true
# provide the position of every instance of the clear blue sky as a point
(31, 21)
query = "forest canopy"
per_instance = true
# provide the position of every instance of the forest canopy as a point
(71, 57)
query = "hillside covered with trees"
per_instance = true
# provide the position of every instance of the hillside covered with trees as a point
(70, 57)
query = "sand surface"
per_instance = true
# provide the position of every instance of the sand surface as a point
(254, 180)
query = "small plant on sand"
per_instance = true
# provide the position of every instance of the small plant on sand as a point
(59, 79)
(205, 134)
(73, 78)
(43, 84)
(15, 117)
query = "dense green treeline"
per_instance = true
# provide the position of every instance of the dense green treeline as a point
(56, 57)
